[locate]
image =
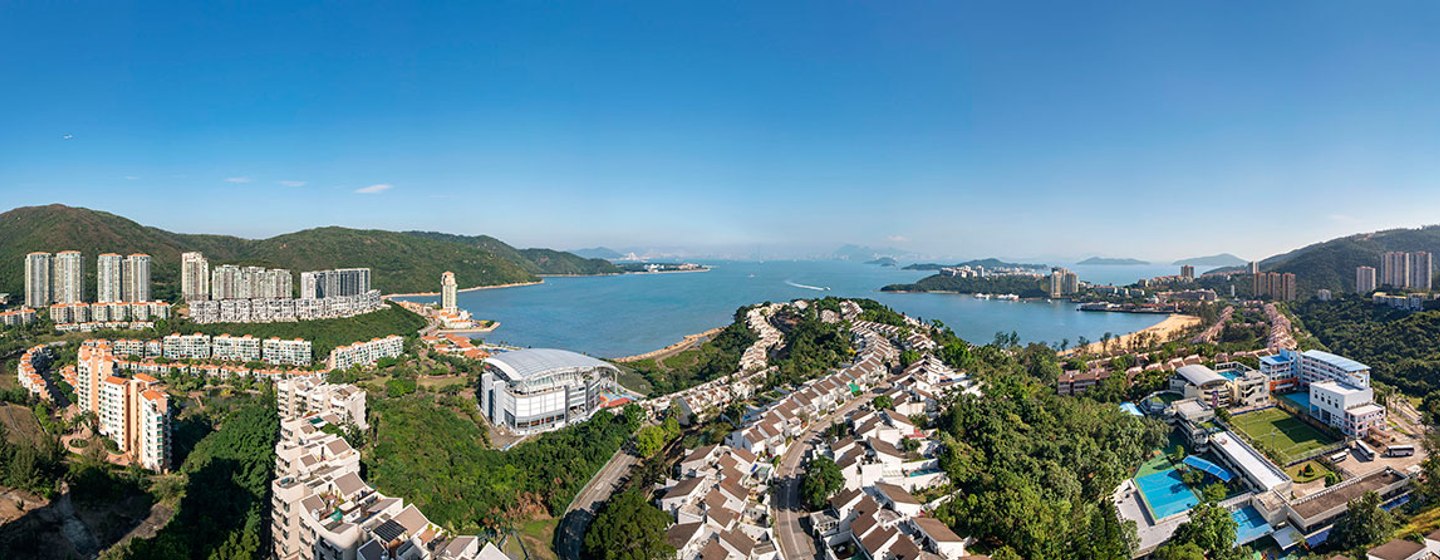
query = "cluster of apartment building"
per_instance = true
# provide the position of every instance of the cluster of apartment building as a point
(223, 347)
(366, 353)
(1403, 302)
(1062, 282)
(284, 309)
(977, 271)
(1274, 285)
(322, 508)
(60, 278)
(34, 364)
(1399, 270)
(340, 282)
(145, 362)
(337, 403)
(17, 317)
(252, 294)
(56, 282)
(229, 281)
(1411, 271)
(134, 411)
(88, 317)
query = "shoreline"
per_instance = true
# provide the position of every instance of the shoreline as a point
(685, 343)
(1167, 329)
(471, 289)
(621, 273)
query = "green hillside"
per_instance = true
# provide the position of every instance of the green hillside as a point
(1331, 264)
(535, 261)
(401, 262)
(1022, 286)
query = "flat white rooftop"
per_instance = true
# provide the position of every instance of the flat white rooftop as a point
(1257, 468)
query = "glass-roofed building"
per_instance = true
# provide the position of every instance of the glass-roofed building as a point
(537, 390)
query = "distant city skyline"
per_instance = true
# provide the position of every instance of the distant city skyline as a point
(963, 130)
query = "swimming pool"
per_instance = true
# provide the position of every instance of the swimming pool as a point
(1249, 525)
(1166, 494)
(1300, 398)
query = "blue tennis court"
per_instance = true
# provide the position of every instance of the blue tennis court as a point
(1166, 494)
(1249, 525)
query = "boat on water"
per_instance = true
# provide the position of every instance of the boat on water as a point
(982, 296)
(1008, 297)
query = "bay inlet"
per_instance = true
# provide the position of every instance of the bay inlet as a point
(624, 315)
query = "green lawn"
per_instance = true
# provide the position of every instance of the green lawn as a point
(1317, 471)
(1281, 432)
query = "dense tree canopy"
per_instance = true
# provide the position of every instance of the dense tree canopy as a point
(1210, 529)
(1023, 286)
(822, 479)
(628, 528)
(1033, 469)
(225, 508)
(437, 460)
(1399, 347)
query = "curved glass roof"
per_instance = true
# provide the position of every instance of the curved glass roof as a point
(525, 364)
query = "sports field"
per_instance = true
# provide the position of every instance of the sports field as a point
(1281, 432)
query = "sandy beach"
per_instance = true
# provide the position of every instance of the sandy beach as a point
(1169, 328)
(685, 343)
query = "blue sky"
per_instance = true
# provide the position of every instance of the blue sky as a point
(1150, 129)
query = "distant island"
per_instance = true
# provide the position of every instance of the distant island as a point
(987, 263)
(1023, 286)
(1112, 261)
(884, 261)
(598, 253)
(1220, 260)
(650, 267)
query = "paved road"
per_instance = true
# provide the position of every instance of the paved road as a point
(795, 543)
(571, 530)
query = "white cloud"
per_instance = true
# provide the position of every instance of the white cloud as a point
(131, 177)
(237, 180)
(375, 189)
(293, 183)
(897, 239)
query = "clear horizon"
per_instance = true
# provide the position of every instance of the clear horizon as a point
(1157, 132)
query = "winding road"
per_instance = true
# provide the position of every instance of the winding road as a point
(795, 542)
(570, 533)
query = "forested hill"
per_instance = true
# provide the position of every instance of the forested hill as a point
(400, 261)
(535, 261)
(1331, 264)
